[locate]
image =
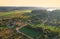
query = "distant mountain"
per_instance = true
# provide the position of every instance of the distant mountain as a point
(19, 8)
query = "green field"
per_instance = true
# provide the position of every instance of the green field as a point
(6, 14)
(30, 32)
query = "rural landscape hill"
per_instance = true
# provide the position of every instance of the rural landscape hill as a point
(29, 23)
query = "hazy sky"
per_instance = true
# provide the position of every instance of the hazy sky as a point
(37, 3)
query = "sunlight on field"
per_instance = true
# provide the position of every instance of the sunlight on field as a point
(14, 12)
(25, 10)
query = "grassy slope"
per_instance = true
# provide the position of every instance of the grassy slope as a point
(52, 28)
(13, 12)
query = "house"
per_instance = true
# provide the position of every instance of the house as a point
(19, 23)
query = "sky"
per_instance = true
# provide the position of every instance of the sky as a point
(32, 3)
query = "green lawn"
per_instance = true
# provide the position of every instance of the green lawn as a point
(30, 32)
(52, 28)
(13, 12)
(6, 14)
(3, 27)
